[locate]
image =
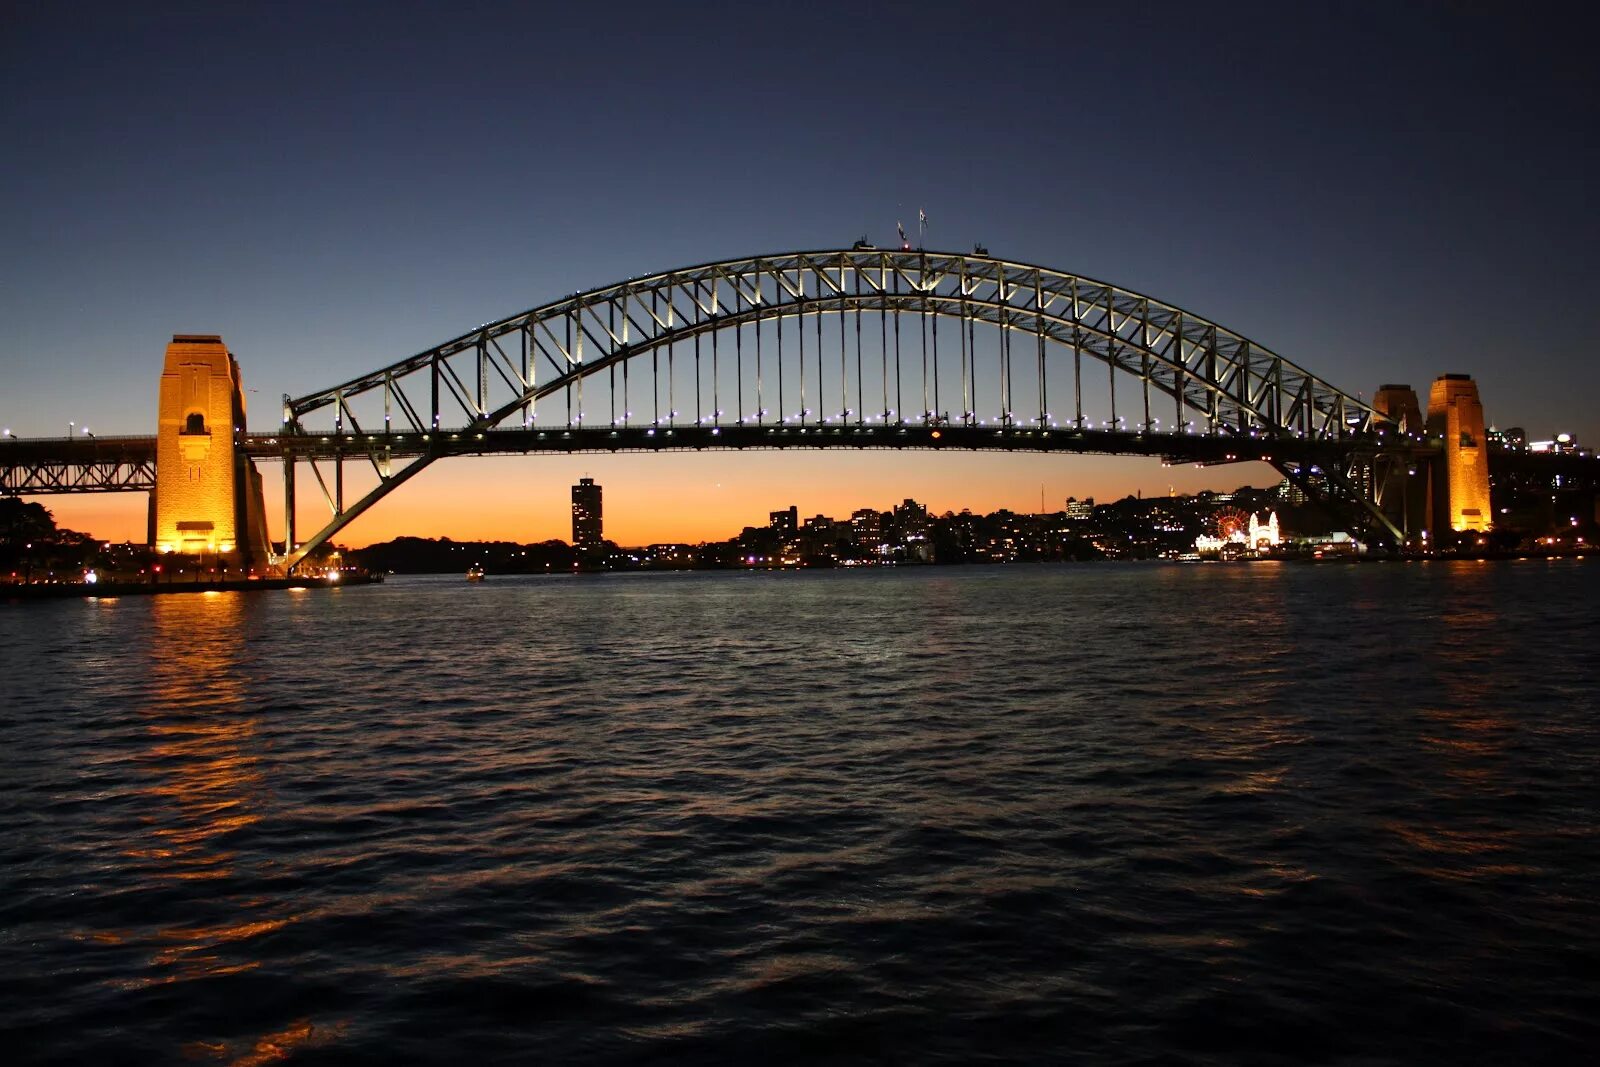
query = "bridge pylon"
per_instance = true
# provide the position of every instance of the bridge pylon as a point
(1461, 487)
(207, 500)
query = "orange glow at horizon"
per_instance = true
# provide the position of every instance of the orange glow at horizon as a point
(680, 497)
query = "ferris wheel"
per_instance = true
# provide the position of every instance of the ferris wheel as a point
(1231, 524)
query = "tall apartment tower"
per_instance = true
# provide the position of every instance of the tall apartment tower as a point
(207, 500)
(1461, 489)
(785, 522)
(586, 525)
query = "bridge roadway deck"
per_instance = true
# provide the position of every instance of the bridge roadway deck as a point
(1178, 447)
(39, 466)
(141, 450)
(44, 465)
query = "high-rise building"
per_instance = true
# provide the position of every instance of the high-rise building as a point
(785, 523)
(866, 527)
(910, 520)
(1461, 489)
(586, 524)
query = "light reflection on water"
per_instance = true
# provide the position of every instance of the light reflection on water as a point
(1204, 813)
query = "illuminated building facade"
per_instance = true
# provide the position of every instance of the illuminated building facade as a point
(1264, 534)
(1461, 488)
(866, 527)
(1238, 536)
(207, 499)
(586, 516)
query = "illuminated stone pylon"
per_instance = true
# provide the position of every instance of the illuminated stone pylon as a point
(1455, 417)
(208, 496)
(1399, 402)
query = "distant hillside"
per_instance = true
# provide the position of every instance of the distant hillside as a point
(420, 555)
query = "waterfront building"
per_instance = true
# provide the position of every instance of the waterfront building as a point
(1264, 535)
(1239, 535)
(866, 528)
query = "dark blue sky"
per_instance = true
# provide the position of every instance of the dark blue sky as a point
(1381, 192)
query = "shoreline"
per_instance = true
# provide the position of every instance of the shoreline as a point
(64, 590)
(84, 590)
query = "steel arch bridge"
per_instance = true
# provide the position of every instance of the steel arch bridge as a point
(833, 349)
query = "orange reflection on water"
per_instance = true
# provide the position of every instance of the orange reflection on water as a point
(1472, 731)
(1463, 738)
(269, 1048)
(1452, 842)
(1275, 879)
(1460, 855)
(192, 949)
(203, 783)
(202, 755)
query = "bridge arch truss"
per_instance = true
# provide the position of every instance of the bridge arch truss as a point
(866, 340)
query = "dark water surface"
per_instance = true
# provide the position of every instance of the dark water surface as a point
(1100, 814)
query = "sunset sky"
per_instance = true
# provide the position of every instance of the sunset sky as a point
(1379, 192)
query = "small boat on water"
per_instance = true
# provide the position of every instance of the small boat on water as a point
(475, 573)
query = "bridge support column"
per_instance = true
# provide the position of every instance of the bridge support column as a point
(207, 500)
(1461, 489)
(288, 503)
(1401, 473)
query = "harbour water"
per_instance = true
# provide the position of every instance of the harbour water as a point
(1099, 814)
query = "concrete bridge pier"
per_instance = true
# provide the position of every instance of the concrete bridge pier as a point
(207, 501)
(1438, 487)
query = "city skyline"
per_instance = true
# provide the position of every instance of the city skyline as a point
(644, 509)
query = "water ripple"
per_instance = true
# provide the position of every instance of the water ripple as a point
(1112, 814)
